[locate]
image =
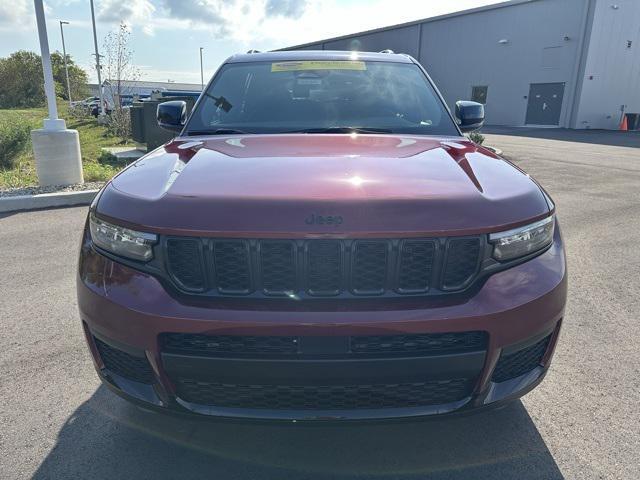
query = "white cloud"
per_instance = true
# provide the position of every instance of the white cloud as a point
(20, 16)
(17, 15)
(270, 23)
(229, 19)
(286, 8)
(323, 19)
(130, 12)
(210, 14)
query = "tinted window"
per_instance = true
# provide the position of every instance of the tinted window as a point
(275, 97)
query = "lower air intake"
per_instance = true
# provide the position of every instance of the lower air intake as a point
(327, 397)
(520, 362)
(124, 364)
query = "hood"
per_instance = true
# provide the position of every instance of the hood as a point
(317, 184)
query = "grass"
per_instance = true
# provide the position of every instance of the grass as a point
(92, 138)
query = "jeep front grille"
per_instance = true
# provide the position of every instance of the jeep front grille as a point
(321, 268)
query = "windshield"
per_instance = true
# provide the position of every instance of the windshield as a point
(320, 97)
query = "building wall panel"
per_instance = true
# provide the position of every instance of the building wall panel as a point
(506, 49)
(611, 77)
(400, 40)
(581, 43)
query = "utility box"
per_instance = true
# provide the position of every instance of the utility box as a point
(136, 113)
(144, 126)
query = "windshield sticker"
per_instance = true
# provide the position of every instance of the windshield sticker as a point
(318, 65)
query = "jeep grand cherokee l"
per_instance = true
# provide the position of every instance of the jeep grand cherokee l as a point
(320, 241)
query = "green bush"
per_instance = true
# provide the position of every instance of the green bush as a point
(98, 172)
(119, 124)
(15, 135)
(105, 157)
(476, 137)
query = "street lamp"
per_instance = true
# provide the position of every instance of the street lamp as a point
(95, 44)
(64, 53)
(201, 70)
(56, 149)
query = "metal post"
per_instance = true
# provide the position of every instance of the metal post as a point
(53, 122)
(64, 53)
(56, 150)
(201, 70)
(95, 44)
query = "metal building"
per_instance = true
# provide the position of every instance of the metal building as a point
(143, 89)
(568, 63)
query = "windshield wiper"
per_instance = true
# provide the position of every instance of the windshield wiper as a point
(218, 131)
(341, 130)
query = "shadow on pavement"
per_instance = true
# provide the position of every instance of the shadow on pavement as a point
(108, 438)
(600, 137)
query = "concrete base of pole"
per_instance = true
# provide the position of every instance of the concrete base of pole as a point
(57, 124)
(58, 157)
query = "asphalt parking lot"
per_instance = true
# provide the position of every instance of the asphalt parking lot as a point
(56, 421)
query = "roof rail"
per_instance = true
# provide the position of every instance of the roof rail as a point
(387, 50)
(253, 51)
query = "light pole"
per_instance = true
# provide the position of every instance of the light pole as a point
(95, 44)
(64, 53)
(201, 70)
(53, 122)
(55, 148)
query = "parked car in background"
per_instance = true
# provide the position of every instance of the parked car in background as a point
(90, 106)
(321, 242)
(94, 108)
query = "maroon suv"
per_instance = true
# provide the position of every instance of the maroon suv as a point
(320, 241)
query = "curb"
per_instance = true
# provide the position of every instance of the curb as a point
(46, 200)
(495, 150)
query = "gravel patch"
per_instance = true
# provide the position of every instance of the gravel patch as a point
(79, 187)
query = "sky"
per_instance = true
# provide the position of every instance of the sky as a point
(166, 34)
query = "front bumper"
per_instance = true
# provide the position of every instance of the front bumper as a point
(126, 315)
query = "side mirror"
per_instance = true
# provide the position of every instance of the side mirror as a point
(172, 115)
(470, 115)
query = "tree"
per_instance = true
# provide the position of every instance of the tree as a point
(77, 77)
(120, 71)
(21, 81)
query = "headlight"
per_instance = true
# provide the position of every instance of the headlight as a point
(522, 241)
(122, 241)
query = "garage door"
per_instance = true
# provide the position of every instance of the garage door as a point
(545, 103)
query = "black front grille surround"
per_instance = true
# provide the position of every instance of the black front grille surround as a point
(185, 259)
(324, 268)
(369, 267)
(230, 265)
(277, 267)
(415, 266)
(324, 397)
(461, 262)
(321, 268)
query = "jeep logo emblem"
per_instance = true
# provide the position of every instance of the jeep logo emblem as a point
(314, 219)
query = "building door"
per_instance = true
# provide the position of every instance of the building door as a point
(544, 104)
(479, 94)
